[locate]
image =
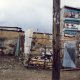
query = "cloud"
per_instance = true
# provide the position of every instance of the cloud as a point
(30, 14)
(73, 3)
(27, 14)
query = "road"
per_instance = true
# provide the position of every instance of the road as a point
(12, 69)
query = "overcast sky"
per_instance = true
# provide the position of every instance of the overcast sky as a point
(30, 14)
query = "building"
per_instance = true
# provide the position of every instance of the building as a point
(13, 41)
(10, 32)
(70, 30)
(9, 38)
(70, 21)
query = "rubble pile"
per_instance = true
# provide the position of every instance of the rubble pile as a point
(42, 60)
(39, 62)
(40, 56)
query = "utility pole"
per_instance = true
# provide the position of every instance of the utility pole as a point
(56, 40)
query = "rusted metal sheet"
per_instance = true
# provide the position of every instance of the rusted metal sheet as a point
(1, 51)
(22, 43)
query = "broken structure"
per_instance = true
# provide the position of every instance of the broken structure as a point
(8, 39)
(38, 49)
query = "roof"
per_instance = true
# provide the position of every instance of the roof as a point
(11, 30)
(41, 33)
(10, 27)
(75, 8)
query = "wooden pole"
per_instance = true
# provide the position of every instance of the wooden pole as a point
(56, 40)
(45, 58)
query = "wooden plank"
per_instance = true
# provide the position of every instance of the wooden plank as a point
(71, 69)
(39, 38)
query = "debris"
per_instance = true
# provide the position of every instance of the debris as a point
(8, 45)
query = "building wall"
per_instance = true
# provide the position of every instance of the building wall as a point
(14, 34)
(9, 39)
(43, 41)
(69, 20)
(9, 34)
(10, 46)
(61, 14)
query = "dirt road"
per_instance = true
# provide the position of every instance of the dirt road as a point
(11, 69)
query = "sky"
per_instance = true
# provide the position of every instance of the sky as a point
(30, 14)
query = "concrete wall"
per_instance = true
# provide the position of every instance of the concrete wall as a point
(61, 14)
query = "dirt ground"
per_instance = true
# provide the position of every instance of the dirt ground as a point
(12, 69)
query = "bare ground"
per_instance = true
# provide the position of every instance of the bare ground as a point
(12, 69)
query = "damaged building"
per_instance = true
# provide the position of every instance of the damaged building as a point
(13, 41)
(38, 49)
(8, 39)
